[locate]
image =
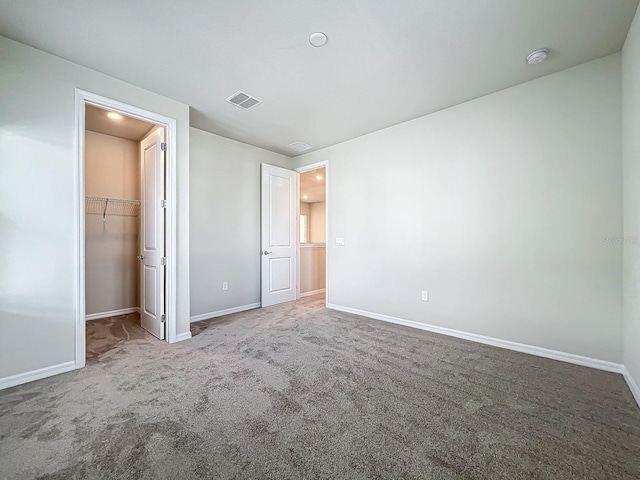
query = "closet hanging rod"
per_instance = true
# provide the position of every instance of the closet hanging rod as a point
(111, 206)
(119, 201)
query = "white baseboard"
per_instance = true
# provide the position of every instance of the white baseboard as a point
(312, 292)
(227, 311)
(633, 386)
(112, 313)
(496, 342)
(26, 377)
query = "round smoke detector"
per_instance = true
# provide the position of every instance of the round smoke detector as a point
(318, 39)
(538, 56)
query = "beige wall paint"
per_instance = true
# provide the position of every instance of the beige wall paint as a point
(631, 168)
(112, 170)
(313, 256)
(312, 268)
(112, 167)
(305, 211)
(225, 221)
(500, 207)
(317, 219)
(38, 212)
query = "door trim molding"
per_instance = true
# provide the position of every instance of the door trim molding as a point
(82, 97)
(306, 168)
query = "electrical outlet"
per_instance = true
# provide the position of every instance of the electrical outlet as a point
(225, 285)
(425, 295)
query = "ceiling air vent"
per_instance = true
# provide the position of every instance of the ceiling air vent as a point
(298, 146)
(243, 100)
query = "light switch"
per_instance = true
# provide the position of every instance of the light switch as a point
(340, 241)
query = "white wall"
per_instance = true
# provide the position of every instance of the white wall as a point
(225, 221)
(317, 222)
(631, 168)
(112, 170)
(38, 215)
(498, 207)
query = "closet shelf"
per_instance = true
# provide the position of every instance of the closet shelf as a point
(111, 206)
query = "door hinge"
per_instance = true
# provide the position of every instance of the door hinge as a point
(163, 318)
(163, 203)
(163, 260)
(163, 147)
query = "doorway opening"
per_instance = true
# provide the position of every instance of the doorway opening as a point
(313, 229)
(313, 256)
(126, 215)
(115, 179)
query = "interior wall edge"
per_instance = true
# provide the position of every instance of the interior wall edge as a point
(633, 386)
(181, 337)
(631, 203)
(495, 342)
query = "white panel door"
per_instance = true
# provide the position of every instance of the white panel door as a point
(279, 235)
(152, 222)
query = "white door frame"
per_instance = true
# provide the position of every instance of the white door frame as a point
(307, 168)
(82, 98)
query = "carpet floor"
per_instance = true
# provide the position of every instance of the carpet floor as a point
(298, 391)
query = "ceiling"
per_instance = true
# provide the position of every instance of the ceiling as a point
(312, 186)
(130, 128)
(387, 61)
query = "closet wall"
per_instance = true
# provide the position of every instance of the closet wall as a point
(313, 254)
(304, 209)
(112, 170)
(317, 222)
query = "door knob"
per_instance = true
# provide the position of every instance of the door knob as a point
(267, 253)
(140, 257)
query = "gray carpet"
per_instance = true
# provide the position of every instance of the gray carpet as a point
(298, 391)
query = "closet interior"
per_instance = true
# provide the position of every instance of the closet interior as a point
(112, 212)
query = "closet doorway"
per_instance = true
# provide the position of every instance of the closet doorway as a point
(127, 224)
(312, 256)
